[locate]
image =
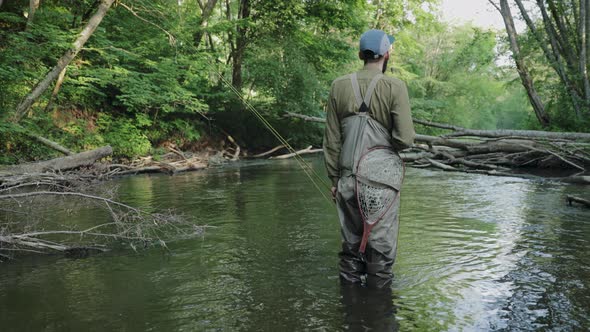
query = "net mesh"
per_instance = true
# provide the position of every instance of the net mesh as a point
(379, 178)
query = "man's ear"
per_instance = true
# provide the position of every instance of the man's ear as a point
(386, 56)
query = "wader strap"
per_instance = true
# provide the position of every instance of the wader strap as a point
(364, 103)
(371, 88)
(356, 90)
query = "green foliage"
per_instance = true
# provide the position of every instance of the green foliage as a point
(16, 146)
(122, 134)
(453, 78)
(140, 82)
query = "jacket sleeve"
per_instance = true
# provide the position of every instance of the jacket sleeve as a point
(332, 140)
(403, 127)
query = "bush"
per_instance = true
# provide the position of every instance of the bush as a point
(125, 138)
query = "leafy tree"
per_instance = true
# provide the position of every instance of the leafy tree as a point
(559, 30)
(154, 72)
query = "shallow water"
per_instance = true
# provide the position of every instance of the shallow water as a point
(475, 253)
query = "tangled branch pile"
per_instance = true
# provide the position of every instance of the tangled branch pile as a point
(27, 190)
(497, 152)
(23, 228)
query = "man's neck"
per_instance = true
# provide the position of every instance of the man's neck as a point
(374, 66)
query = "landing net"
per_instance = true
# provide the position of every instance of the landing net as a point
(379, 178)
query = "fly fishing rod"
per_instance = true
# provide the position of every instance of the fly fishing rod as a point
(317, 180)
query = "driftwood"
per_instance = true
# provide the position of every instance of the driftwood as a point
(496, 152)
(269, 152)
(307, 150)
(236, 154)
(171, 163)
(579, 200)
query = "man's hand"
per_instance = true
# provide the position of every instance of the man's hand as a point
(333, 190)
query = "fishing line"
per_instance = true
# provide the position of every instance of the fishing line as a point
(309, 171)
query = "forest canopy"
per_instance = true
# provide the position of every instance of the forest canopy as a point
(155, 73)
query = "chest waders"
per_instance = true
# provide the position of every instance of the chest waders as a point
(368, 156)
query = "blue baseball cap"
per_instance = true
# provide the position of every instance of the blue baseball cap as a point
(376, 41)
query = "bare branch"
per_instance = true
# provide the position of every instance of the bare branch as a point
(55, 193)
(495, 5)
(171, 38)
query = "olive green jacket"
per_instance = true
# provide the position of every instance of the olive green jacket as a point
(390, 106)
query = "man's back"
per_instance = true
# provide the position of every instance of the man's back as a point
(389, 106)
(389, 98)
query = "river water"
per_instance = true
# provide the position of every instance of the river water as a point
(476, 253)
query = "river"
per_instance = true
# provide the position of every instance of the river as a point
(476, 253)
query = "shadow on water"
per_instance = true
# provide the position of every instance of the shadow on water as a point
(368, 309)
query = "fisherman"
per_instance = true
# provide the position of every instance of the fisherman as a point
(366, 109)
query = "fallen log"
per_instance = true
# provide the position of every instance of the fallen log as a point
(499, 133)
(460, 131)
(505, 146)
(434, 140)
(414, 156)
(442, 166)
(160, 169)
(82, 159)
(548, 135)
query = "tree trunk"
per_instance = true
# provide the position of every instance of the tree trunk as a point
(553, 58)
(63, 62)
(206, 12)
(525, 77)
(562, 31)
(58, 83)
(558, 51)
(583, 49)
(241, 41)
(586, 21)
(33, 6)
